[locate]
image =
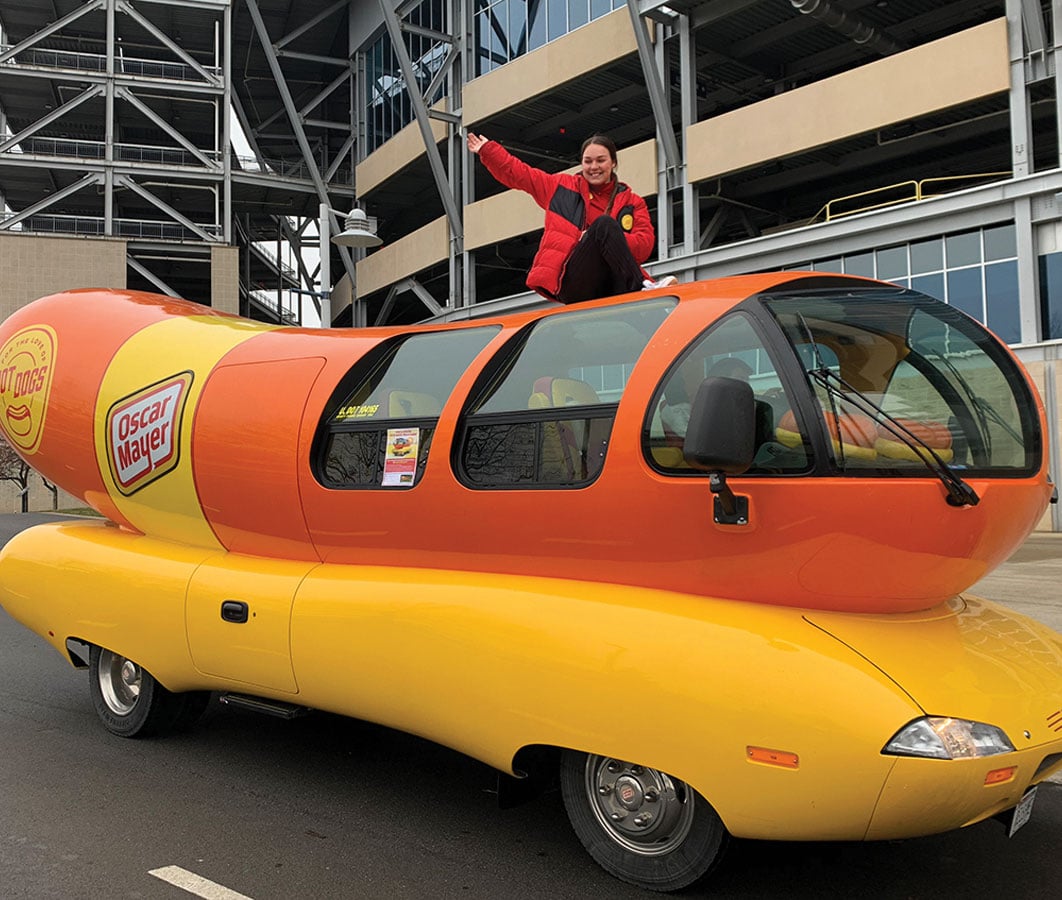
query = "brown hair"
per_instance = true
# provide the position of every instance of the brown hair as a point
(605, 141)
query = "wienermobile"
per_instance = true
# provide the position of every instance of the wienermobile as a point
(700, 554)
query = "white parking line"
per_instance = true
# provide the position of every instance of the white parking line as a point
(195, 884)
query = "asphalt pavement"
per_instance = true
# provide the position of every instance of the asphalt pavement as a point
(1031, 580)
(334, 809)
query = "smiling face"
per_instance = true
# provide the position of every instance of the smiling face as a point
(597, 165)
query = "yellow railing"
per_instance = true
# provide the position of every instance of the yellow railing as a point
(895, 194)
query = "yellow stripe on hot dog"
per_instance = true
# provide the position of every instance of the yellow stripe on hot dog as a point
(143, 422)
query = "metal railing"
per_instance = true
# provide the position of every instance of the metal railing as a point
(93, 226)
(96, 150)
(68, 148)
(288, 313)
(97, 63)
(289, 168)
(268, 252)
(901, 192)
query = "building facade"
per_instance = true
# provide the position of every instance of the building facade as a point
(915, 141)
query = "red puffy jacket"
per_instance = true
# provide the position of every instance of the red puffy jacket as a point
(566, 199)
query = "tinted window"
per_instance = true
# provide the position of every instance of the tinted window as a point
(378, 433)
(545, 418)
(732, 349)
(898, 375)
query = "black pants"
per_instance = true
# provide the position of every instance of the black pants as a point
(600, 265)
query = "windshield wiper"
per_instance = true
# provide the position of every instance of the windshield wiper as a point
(982, 407)
(959, 492)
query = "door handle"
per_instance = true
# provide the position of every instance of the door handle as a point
(234, 611)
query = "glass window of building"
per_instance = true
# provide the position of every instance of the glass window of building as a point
(1001, 294)
(1000, 242)
(927, 256)
(506, 29)
(933, 285)
(1051, 295)
(502, 31)
(828, 265)
(860, 264)
(892, 264)
(388, 108)
(965, 292)
(975, 271)
(962, 249)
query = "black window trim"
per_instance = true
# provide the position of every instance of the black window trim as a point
(777, 348)
(546, 414)
(380, 428)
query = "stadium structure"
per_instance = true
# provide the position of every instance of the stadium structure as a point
(191, 147)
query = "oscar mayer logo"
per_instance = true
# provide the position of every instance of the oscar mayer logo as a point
(26, 363)
(144, 430)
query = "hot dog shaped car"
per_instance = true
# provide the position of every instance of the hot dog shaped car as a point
(702, 551)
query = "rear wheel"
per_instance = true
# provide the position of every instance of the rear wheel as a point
(128, 700)
(639, 824)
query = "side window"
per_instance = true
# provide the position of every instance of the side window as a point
(377, 434)
(732, 349)
(545, 419)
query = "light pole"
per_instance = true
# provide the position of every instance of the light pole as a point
(357, 232)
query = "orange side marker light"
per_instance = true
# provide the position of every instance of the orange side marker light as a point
(770, 757)
(1000, 776)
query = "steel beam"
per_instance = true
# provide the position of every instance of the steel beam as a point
(125, 94)
(87, 181)
(138, 266)
(164, 39)
(158, 203)
(658, 98)
(46, 120)
(442, 183)
(48, 30)
(296, 126)
(1056, 56)
(1020, 121)
(311, 23)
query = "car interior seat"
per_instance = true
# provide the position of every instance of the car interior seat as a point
(572, 450)
(411, 404)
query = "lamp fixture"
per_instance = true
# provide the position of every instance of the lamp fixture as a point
(357, 231)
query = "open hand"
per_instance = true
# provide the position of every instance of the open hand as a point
(476, 142)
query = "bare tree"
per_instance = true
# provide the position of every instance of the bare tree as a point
(54, 491)
(15, 469)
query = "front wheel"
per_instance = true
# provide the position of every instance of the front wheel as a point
(128, 700)
(639, 824)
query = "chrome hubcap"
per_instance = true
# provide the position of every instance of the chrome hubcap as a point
(119, 682)
(642, 810)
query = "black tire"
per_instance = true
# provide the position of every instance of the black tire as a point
(639, 824)
(128, 700)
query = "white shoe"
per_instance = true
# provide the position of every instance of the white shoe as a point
(666, 281)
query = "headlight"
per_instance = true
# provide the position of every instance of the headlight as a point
(941, 738)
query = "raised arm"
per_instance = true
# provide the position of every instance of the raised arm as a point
(512, 172)
(476, 142)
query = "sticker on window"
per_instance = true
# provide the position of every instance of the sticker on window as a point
(400, 459)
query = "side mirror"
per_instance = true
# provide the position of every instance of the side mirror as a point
(721, 440)
(721, 435)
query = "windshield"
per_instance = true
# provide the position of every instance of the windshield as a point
(903, 380)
